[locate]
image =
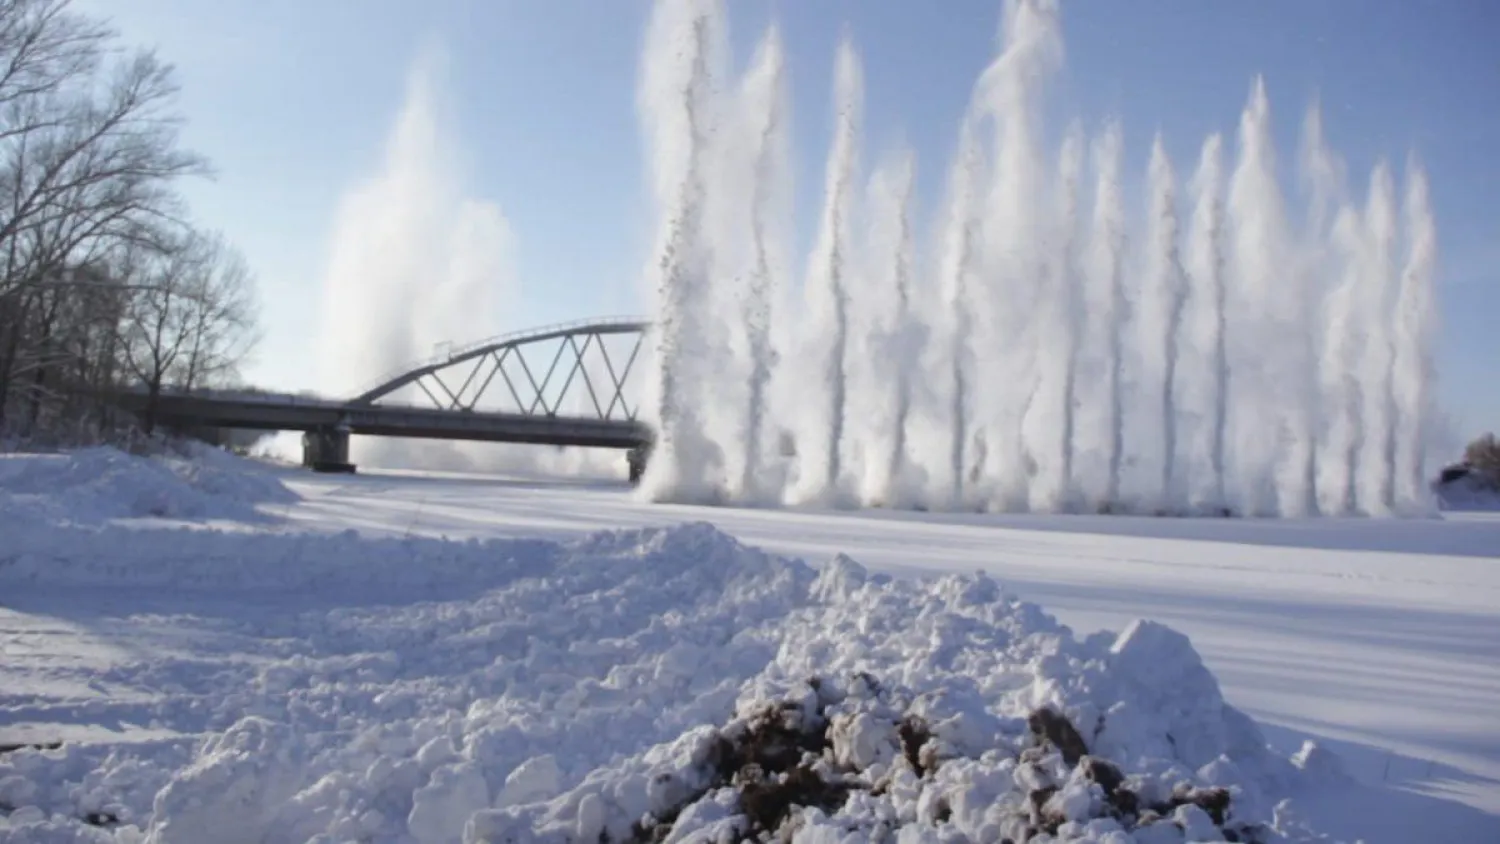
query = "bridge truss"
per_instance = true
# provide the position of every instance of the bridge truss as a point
(576, 370)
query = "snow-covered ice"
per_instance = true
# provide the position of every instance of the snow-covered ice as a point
(335, 669)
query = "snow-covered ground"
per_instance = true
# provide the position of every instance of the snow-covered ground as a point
(330, 665)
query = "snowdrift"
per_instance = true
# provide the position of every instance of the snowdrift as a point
(98, 484)
(657, 685)
(1468, 492)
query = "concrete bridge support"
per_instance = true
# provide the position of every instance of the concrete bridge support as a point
(638, 457)
(327, 450)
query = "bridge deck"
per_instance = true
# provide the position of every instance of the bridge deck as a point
(299, 413)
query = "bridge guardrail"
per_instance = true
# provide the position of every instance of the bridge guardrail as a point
(293, 400)
(248, 396)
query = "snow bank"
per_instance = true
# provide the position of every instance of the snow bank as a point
(1468, 492)
(633, 684)
(941, 711)
(98, 484)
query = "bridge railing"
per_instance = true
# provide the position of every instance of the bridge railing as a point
(508, 338)
(295, 400)
(244, 394)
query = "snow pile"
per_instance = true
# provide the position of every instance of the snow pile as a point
(1470, 491)
(942, 711)
(98, 484)
(386, 716)
(571, 692)
(83, 792)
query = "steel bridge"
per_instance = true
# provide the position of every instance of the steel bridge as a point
(558, 385)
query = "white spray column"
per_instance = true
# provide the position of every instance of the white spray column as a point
(1415, 327)
(677, 94)
(821, 450)
(764, 100)
(1208, 386)
(1162, 320)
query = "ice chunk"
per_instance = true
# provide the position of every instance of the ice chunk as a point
(538, 778)
(441, 808)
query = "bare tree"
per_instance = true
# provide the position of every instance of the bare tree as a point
(88, 157)
(154, 330)
(220, 317)
(191, 319)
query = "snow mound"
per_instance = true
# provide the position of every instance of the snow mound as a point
(1468, 492)
(941, 711)
(99, 484)
(653, 685)
(827, 761)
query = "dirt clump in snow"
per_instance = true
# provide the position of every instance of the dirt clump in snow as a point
(852, 757)
(775, 761)
(1048, 724)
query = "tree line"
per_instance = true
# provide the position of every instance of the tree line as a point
(1482, 460)
(105, 282)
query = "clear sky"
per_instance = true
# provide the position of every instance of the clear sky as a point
(294, 99)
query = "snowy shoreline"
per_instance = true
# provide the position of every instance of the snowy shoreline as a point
(262, 683)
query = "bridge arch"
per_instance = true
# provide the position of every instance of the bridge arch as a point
(458, 379)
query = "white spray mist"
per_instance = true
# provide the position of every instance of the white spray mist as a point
(1375, 478)
(763, 99)
(1052, 418)
(1206, 387)
(1105, 411)
(888, 351)
(1009, 93)
(821, 450)
(1267, 416)
(677, 102)
(1161, 323)
(1415, 329)
(412, 262)
(1251, 368)
(959, 253)
(1331, 246)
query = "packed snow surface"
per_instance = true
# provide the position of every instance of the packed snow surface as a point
(97, 484)
(265, 683)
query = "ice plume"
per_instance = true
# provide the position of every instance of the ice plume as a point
(1230, 347)
(1206, 374)
(957, 286)
(1413, 370)
(823, 444)
(413, 261)
(1161, 323)
(1106, 320)
(678, 94)
(765, 113)
(887, 351)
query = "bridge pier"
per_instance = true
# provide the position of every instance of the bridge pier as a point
(637, 458)
(327, 450)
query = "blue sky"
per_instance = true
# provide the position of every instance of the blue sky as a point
(293, 99)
